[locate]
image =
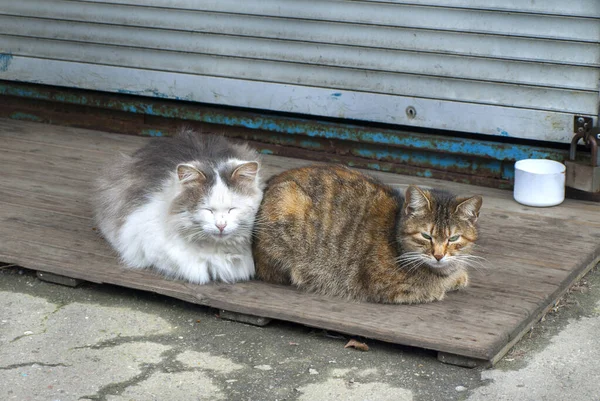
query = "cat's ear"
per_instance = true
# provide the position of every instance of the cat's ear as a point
(188, 173)
(468, 208)
(416, 201)
(246, 171)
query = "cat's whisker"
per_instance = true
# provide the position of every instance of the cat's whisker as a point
(410, 255)
(411, 260)
(472, 257)
(472, 261)
(417, 265)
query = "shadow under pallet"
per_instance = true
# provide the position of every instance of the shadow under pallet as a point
(533, 255)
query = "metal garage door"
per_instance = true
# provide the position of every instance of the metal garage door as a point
(496, 67)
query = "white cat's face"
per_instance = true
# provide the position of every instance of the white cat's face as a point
(219, 203)
(225, 212)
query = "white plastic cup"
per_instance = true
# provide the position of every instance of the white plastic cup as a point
(539, 182)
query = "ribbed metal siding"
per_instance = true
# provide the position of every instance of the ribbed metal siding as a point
(493, 67)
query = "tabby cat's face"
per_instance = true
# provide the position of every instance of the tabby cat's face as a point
(438, 230)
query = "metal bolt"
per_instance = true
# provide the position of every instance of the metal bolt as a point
(580, 120)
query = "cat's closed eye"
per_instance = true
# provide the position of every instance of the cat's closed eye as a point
(207, 209)
(233, 208)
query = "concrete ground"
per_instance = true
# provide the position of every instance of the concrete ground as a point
(98, 342)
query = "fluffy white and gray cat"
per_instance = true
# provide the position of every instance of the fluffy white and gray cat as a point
(184, 206)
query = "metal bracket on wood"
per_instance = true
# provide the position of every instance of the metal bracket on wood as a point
(244, 318)
(584, 176)
(459, 360)
(582, 124)
(57, 279)
(584, 130)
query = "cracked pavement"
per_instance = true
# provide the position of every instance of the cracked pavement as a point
(99, 342)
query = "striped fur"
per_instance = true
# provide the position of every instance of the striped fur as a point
(338, 232)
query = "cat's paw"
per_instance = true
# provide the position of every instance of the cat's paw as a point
(460, 281)
(420, 297)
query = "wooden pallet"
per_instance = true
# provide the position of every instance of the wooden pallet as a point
(534, 255)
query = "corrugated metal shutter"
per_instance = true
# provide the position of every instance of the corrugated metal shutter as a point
(497, 67)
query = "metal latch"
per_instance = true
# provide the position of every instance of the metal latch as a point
(582, 176)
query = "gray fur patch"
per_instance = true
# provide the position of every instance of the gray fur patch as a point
(126, 183)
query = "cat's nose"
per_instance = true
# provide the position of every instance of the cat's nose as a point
(221, 226)
(439, 256)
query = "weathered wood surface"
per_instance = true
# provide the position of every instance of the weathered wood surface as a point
(533, 255)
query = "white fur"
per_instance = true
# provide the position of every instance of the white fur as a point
(191, 246)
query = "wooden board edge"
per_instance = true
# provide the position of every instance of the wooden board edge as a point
(207, 301)
(504, 350)
(488, 358)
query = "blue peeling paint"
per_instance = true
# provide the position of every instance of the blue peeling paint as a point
(445, 153)
(25, 116)
(356, 134)
(266, 151)
(508, 171)
(5, 60)
(153, 92)
(439, 161)
(152, 132)
(502, 132)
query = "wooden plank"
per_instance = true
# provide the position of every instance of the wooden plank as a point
(55, 187)
(53, 167)
(35, 217)
(278, 302)
(45, 201)
(76, 140)
(30, 223)
(525, 326)
(45, 224)
(68, 138)
(68, 155)
(80, 229)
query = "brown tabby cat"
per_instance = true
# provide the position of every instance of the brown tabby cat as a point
(338, 232)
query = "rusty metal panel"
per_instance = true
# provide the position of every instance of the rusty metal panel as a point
(476, 161)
